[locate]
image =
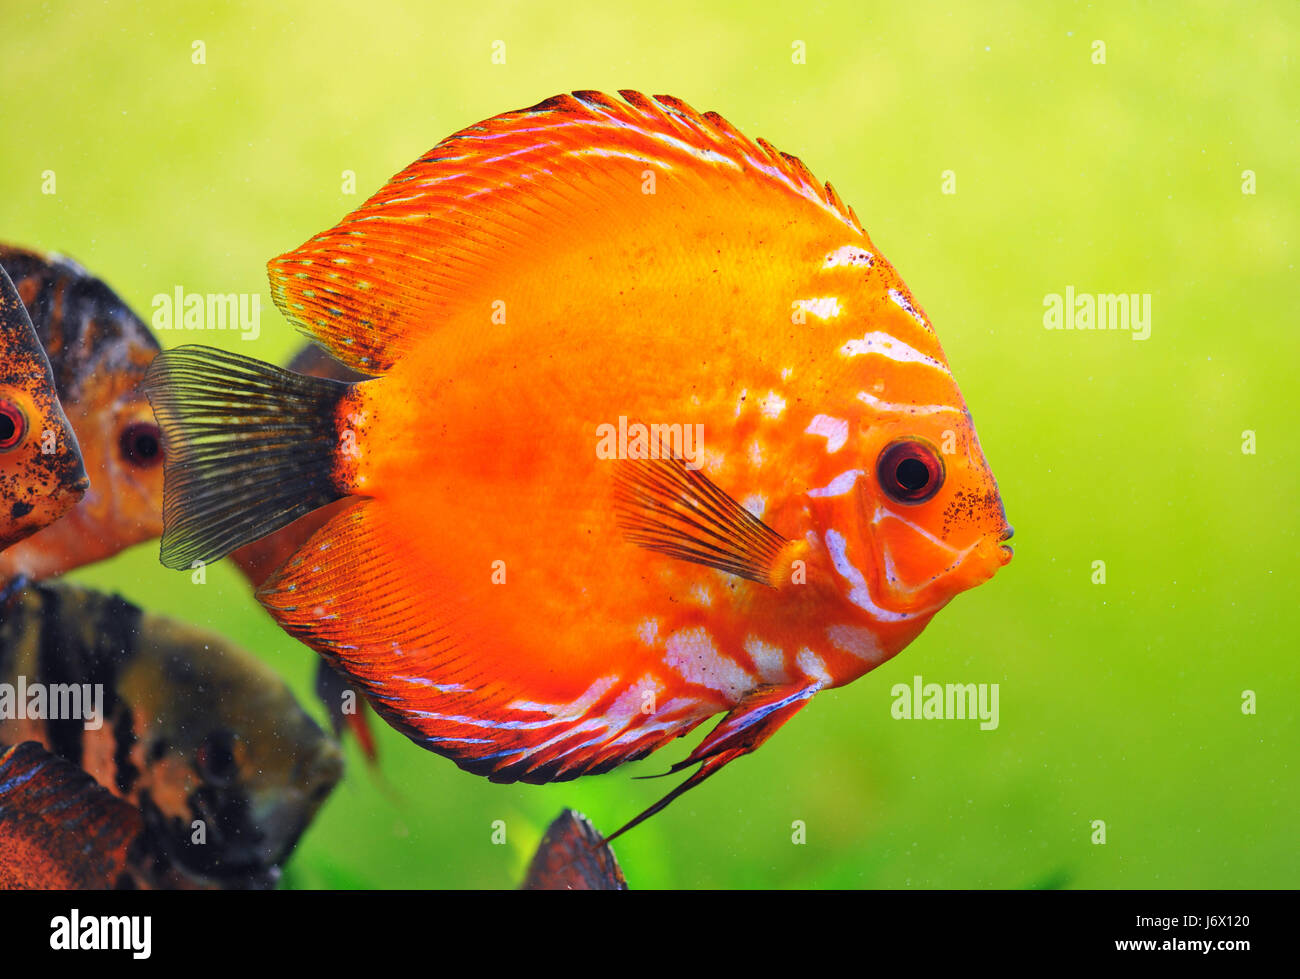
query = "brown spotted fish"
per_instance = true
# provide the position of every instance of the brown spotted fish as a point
(41, 472)
(99, 351)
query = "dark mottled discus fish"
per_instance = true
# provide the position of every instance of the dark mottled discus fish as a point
(59, 828)
(259, 559)
(573, 857)
(41, 471)
(99, 352)
(199, 734)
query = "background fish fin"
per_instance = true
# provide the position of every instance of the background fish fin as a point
(573, 857)
(345, 714)
(86, 328)
(450, 232)
(248, 448)
(746, 726)
(24, 360)
(424, 642)
(316, 361)
(664, 506)
(49, 808)
(9, 590)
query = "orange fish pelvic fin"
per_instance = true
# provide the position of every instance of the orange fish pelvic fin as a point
(750, 723)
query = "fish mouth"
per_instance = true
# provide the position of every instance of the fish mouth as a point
(235, 855)
(1007, 550)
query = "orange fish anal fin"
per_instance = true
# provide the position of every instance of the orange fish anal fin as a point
(665, 506)
(748, 724)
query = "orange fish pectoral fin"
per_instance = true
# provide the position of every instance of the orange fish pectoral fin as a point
(748, 724)
(666, 506)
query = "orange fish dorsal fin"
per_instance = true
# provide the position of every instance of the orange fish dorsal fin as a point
(49, 808)
(399, 264)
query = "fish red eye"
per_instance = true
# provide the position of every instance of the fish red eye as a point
(141, 445)
(909, 471)
(13, 426)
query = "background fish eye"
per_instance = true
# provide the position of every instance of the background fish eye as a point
(217, 758)
(141, 445)
(13, 425)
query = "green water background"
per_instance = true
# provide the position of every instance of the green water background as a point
(1119, 702)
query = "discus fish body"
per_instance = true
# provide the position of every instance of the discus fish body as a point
(654, 432)
(41, 471)
(188, 728)
(60, 829)
(99, 351)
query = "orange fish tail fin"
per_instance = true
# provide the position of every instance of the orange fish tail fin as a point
(746, 726)
(248, 448)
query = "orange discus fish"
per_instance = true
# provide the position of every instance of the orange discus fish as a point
(41, 471)
(99, 351)
(654, 433)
